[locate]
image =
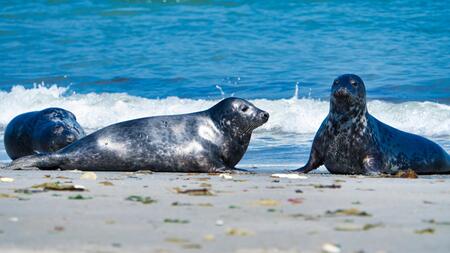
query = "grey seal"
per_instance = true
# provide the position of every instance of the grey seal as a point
(40, 132)
(207, 141)
(351, 141)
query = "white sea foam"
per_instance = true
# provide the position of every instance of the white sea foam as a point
(96, 110)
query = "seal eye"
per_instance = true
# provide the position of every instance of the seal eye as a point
(336, 82)
(244, 108)
(353, 83)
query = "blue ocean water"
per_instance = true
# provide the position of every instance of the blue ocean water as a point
(109, 61)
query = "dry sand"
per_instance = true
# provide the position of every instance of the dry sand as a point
(247, 213)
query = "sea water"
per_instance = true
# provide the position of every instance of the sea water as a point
(109, 61)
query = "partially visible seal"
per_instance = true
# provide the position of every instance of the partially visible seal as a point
(207, 141)
(41, 132)
(351, 141)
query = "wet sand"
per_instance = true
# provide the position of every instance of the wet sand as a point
(139, 212)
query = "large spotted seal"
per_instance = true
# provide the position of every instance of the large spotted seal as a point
(207, 141)
(41, 132)
(351, 141)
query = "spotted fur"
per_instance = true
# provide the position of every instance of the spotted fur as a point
(206, 141)
(351, 141)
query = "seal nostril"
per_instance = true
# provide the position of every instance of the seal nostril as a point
(341, 92)
(70, 138)
(265, 115)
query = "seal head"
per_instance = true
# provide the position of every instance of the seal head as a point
(41, 132)
(347, 91)
(238, 116)
(58, 128)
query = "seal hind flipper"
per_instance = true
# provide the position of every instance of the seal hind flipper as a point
(372, 165)
(41, 161)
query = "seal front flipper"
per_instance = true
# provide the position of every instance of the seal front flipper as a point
(221, 168)
(314, 162)
(41, 161)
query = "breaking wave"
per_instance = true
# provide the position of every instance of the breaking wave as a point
(294, 115)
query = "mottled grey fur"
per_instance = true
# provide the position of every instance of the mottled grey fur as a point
(41, 132)
(351, 141)
(206, 141)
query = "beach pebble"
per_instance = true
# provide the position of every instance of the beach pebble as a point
(331, 248)
(14, 219)
(289, 176)
(89, 176)
(6, 179)
(226, 176)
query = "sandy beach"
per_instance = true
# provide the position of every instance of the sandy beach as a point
(172, 212)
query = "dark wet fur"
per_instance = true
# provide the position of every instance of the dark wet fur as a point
(40, 132)
(178, 143)
(351, 141)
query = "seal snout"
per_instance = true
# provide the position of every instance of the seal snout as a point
(264, 116)
(70, 138)
(58, 129)
(341, 92)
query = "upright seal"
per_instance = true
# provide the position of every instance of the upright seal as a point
(41, 132)
(207, 141)
(351, 141)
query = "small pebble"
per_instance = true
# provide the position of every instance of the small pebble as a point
(331, 248)
(14, 219)
(89, 176)
(6, 179)
(225, 176)
(219, 222)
